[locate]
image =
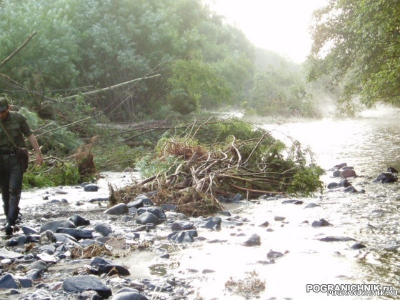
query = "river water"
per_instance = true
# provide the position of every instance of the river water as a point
(370, 143)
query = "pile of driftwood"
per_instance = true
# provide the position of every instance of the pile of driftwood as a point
(198, 176)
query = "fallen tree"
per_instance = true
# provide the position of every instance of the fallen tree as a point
(198, 166)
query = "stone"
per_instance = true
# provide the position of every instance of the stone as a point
(348, 173)
(140, 201)
(129, 296)
(183, 236)
(119, 209)
(4, 253)
(113, 269)
(77, 233)
(28, 230)
(54, 225)
(157, 211)
(79, 221)
(321, 223)
(254, 240)
(148, 217)
(8, 281)
(103, 228)
(90, 188)
(78, 284)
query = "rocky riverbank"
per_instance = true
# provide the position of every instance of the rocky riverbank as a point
(70, 245)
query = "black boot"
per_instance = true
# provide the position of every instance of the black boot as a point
(9, 229)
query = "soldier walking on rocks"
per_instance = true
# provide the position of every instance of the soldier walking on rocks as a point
(14, 127)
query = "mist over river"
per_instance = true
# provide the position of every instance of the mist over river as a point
(369, 143)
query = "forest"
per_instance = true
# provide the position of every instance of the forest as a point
(72, 66)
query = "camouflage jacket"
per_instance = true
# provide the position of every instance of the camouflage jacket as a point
(17, 127)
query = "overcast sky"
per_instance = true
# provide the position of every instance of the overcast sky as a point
(277, 25)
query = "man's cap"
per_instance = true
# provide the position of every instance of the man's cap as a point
(3, 104)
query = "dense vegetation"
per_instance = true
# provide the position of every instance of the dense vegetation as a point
(358, 44)
(82, 46)
(81, 63)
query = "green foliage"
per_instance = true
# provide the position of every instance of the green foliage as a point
(111, 155)
(192, 82)
(59, 174)
(306, 181)
(149, 166)
(281, 92)
(358, 43)
(274, 165)
(57, 140)
(83, 45)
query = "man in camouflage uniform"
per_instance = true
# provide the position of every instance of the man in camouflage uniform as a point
(10, 167)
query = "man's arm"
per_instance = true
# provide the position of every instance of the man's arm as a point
(35, 146)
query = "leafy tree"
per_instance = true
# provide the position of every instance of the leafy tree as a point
(357, 41)
(191, 82)
(277, 92)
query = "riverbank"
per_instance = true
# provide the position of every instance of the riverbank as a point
(267, 248)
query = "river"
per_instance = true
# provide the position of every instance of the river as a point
(370, 143)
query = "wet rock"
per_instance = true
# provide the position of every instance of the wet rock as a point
(225, 213)
(158, 285)
(4, 253)
(28, 230)
(311, 205)
(350, 189)
(54, 225)
(89, 295)
(278, 218)
(78, 234)
(212, 223)
(146, 227)
(40, 294)
(274, 254)
(333, 185)
(51, 237)
(148, 217)
(25, 282)
(265, 224)
(321, 223)
(358, 246)
(236, 198)
(254, 240)
(182, 225)
(157, 211)
(386, 178)
(113, 269)
(336, 239)
(8, 281)
(34, 274)
(103, 228)
(90, 188)
(78, 284)
(23, 239)
(140, 201)
(186, 236)
(392, 170)
(96, 261)
(348, 173)
(292, 201)
(336, 173)
(79, 221)
(344, 183)
(39, 265)
(119, 209)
